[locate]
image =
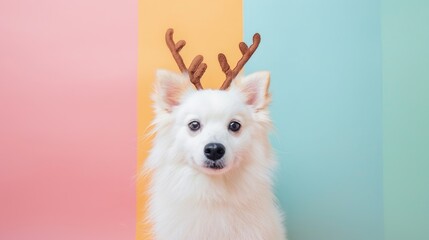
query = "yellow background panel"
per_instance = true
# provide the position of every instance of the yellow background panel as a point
(208, 27)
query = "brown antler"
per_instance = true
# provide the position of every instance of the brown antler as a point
(247, 53)
(197, 67)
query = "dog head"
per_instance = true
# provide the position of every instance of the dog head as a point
(211, 131)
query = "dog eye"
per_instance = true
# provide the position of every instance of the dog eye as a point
(234, 126)
(194, 125)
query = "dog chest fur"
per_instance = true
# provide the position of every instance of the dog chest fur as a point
(184, 211)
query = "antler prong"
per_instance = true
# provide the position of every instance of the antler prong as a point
(224, 63)
(195, 63)
(196, 71)
(197, 67)
(198, 74)
(179, 45)
(246, 52)
(200, 71)
(243, 47)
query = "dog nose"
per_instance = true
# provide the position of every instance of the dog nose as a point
(214, 151)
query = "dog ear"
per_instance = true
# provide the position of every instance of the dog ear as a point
(169, 89)
(255, 88)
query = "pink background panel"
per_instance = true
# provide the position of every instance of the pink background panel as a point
(68, 72)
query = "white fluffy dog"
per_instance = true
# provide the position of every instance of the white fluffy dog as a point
(212, 162)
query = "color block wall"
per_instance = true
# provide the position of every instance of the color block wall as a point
(68, 72)
(325, 58)
(154, 19)
(350, 107)
(406, 119)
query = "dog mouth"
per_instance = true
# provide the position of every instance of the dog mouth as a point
(215, 165)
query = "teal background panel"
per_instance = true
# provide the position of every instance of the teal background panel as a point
(325, 59)
(405, 37)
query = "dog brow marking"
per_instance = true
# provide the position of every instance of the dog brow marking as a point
(196, 69)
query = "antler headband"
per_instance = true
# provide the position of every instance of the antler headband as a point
(197, 68)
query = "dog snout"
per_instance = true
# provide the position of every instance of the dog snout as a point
(214, 151)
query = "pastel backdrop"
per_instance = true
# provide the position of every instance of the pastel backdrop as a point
(325, 59)
(222, 21)
(68, 122)
(349, 83)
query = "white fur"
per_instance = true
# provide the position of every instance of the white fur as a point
(191, 202)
